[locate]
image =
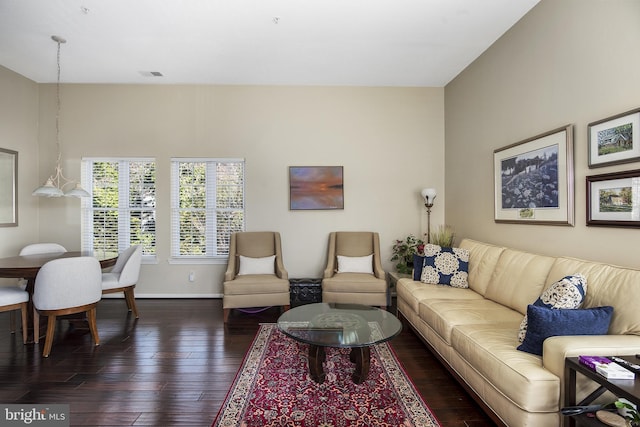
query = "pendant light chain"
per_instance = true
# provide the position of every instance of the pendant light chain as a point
(55, 184)
(58, 146)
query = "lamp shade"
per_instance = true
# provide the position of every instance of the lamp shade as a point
(48, 190)
(77, 191)
(428, 194)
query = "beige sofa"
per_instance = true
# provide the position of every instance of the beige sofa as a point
(474, 331)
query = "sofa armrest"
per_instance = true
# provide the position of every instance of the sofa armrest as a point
(556, 349)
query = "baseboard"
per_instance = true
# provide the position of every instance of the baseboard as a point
(172, 296)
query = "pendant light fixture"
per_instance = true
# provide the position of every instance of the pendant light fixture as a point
(55, 184)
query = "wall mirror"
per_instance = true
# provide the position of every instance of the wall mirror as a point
(8, 188)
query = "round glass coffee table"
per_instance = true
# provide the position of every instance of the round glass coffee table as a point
(353, 326)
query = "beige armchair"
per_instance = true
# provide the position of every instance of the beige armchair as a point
(354, 271)
(255, 275)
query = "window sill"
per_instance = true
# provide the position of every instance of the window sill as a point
(194, 260)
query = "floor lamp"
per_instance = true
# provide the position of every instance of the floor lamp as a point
(429, 195)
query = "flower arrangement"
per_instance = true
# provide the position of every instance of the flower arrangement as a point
(403, 251)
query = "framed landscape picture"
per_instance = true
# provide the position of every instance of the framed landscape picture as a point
(533, 180)
(615, 139)
(613, 199)
(316, 187)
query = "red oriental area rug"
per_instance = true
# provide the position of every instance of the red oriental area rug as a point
(273, 388)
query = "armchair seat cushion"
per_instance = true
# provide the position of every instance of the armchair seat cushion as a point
(353, 283)
(256, 284)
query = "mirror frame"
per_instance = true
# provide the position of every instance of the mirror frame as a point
(9, 183)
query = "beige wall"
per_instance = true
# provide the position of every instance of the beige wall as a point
(389, 140)
(565, 62)
(19, 132)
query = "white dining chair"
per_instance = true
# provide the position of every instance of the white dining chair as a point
(39, 248)
(12, 299)
(42, 248)
(33, 249)
(124, 275)
(66, 286)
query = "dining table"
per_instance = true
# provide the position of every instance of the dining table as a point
(28, 266)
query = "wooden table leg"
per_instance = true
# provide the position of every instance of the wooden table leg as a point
(317, 356)
(361, 356)
(569, 392)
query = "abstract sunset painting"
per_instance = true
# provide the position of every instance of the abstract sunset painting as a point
(316, 187)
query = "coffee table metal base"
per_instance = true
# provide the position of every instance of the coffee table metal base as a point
(361, 356)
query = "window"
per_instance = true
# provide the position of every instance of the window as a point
(207, 205)
(122, 209)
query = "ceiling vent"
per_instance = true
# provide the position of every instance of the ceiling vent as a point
(151, 73)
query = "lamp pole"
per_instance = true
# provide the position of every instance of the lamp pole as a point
(429, 195)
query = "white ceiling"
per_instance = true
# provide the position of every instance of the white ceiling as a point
(270, 42)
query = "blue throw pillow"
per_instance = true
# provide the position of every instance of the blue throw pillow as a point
(418, 262)
(550, 322)
(567, 292)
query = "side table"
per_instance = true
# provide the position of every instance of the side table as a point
(392, 280)
(305, 291)
(629, 389)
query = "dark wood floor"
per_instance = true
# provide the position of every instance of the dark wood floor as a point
(174, 366)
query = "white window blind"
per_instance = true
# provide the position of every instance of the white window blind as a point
(122, 209)
(207, 205)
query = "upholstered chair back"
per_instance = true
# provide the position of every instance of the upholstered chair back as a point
(354, 243)
(42, 248)
(68, 282)
(127, 266)
(254, 244)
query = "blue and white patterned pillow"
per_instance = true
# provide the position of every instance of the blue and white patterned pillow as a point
(567, 292)
(445, 266)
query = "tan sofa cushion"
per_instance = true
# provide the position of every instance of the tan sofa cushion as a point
(483, 258)
(412, 292)
(518, 279)
(444, 315)
(491, 349)
(354, 243)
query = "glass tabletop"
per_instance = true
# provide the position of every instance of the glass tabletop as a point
(339, 325)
